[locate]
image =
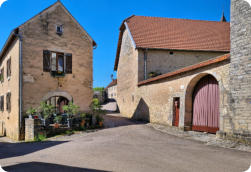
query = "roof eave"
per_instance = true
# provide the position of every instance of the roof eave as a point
(8, 42)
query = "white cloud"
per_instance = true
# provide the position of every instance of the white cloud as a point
(1, 2)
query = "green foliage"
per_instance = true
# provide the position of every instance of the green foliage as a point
(99, 89)
(71, 109)
(153, 74)
(31, 111)
(58, 119)
(46, 109)
(95, 106)
(40, 137)
(83, 115)
(99, 118)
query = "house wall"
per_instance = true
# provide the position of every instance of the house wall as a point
(127, 76)
(162, 61)
(158, 96)
(9, 121)
(40, 34)
(112, 92)
(240, 68)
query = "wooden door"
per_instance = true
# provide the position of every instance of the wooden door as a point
(176, 112)
(206, 105)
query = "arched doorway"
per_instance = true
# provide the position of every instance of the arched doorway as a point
(58, 102)
(206, 111)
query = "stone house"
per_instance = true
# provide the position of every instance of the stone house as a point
(48, 58)
(182, 73)
(112, 90)
(161, 61)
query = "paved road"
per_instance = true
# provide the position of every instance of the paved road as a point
(130, 147)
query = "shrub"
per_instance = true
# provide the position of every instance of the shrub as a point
(71, 109)
(31, 111)
(46, 109)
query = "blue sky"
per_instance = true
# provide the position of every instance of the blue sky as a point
(102, 18)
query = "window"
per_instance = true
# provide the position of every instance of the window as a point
(2, 103)
(59, 30)
(8, 68)
(8, 102)
(171, 53)
(57, 63)
(2, 75)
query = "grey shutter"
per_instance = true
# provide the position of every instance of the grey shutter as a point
(46, 60)
(9, 108)
(68, 63)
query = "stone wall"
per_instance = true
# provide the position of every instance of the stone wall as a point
(154, 101)
(40, 34)
(163, 61)
(240, 68)
(127, 76)
(9, 121)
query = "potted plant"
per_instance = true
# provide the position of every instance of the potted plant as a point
(83, 118)
(57, 121)
(46, 110)
(31, 112)
(99, 120)
(71, 110)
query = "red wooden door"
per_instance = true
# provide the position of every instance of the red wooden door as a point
(206, 105)
(176, 112)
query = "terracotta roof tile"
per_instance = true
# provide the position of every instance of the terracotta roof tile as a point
(177, 34)
(113, 83)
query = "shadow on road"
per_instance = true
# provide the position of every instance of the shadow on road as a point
(8, 150)
(112, 120)
(42, 167)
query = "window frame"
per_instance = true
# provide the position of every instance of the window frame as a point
(2, 103)
(8, 102)
(57, 73)
(8, 72)
(2, 75)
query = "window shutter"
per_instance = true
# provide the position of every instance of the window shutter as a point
(9, 102)
(68, 63)
(46, 60)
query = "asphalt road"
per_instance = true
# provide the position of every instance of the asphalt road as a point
(130, 147)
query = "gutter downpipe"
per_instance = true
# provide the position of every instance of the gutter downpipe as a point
(145, 64)
(20, 81)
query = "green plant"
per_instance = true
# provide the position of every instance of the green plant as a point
(99, 118)
(153, 74)
(31, 111)
(58, 119)
(71, 109)
(83, 115)
(46, 109)
(40, 137)
(99, 89)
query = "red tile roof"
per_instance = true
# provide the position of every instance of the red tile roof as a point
(186, 69)
(113, 83)
(176, 34)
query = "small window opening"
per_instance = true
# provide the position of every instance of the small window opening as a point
(60, 30)
(171, 52)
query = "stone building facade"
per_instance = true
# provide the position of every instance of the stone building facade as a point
(112, 90)
(51, 60)
(240, 68)
(180, 66)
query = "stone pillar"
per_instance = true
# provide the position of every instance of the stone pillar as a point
(32, 127)
(239, 119)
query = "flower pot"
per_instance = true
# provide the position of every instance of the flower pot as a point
(56, 125)
(101, 124)
(82, 123)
